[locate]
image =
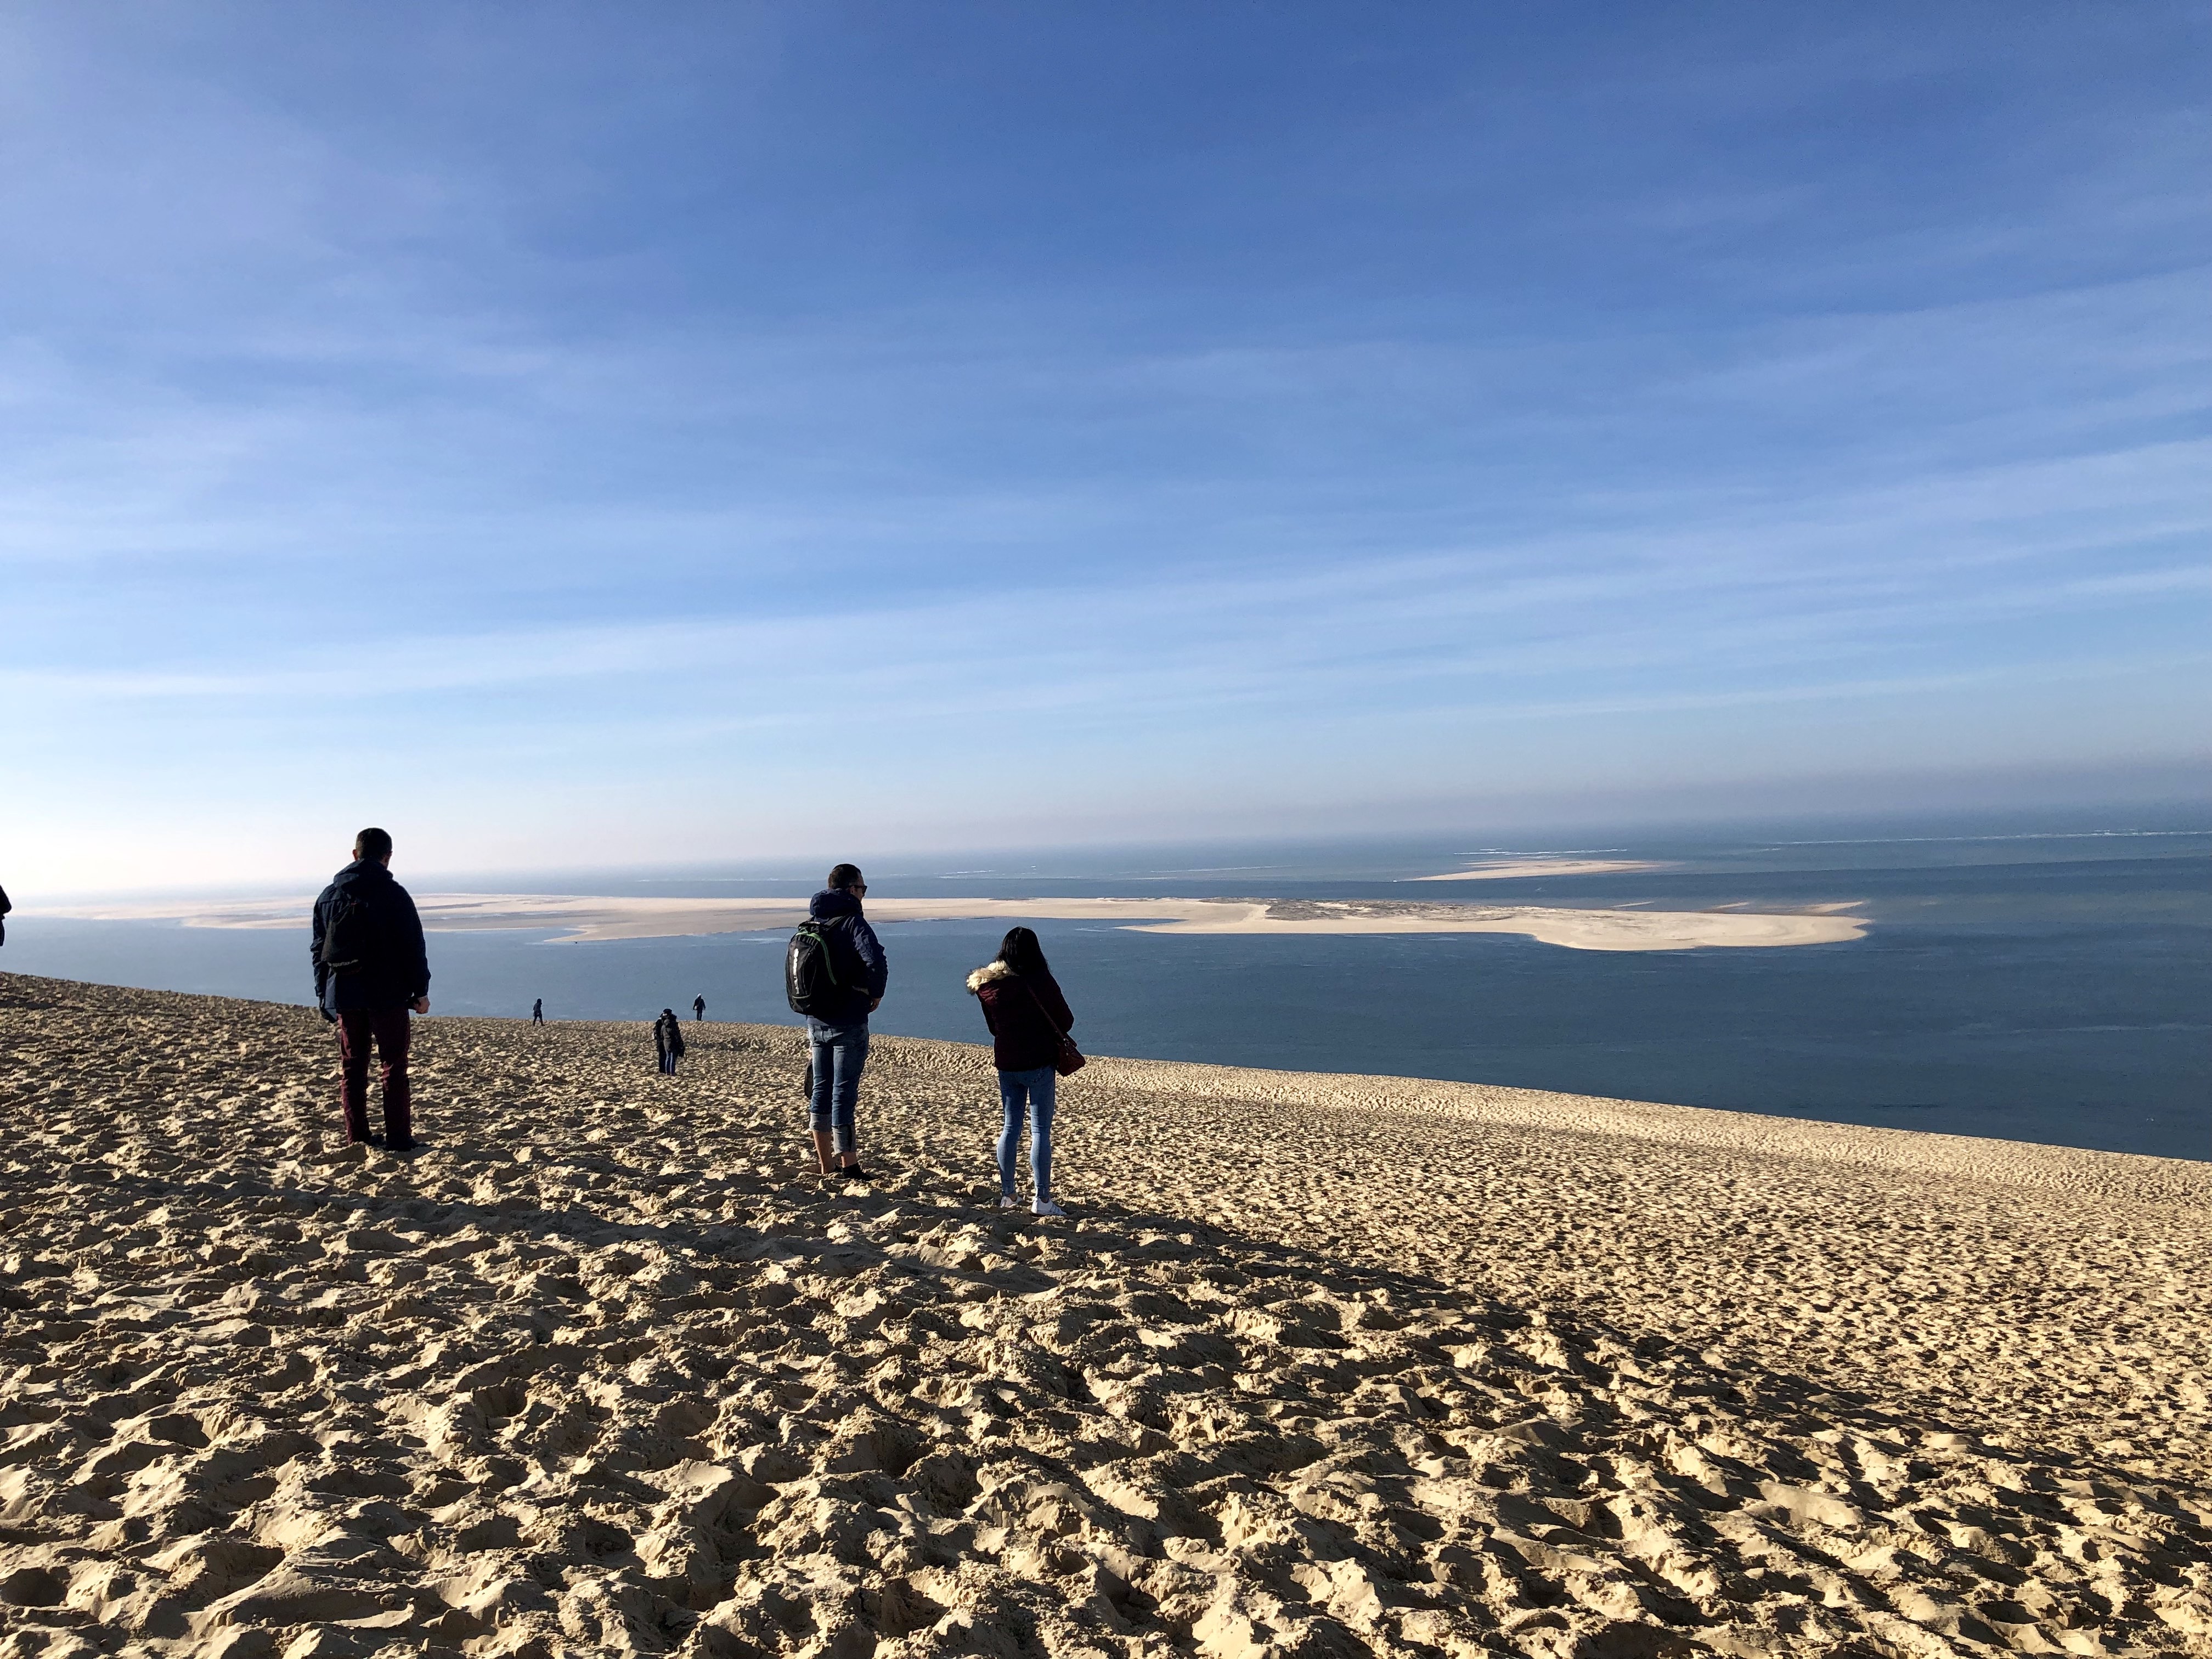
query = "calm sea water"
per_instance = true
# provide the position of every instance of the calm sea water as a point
(2051, 989)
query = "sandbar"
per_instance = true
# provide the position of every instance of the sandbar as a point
(1509, 869)
(582, 920)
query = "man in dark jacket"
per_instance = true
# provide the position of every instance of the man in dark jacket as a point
(668, 1039)
(841, 1037)
(371, 967)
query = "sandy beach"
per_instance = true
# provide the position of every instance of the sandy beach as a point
(582, 919)
(1317, 1366)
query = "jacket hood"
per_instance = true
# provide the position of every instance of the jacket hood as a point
(833, 902)
(989, 974)
(361, 872)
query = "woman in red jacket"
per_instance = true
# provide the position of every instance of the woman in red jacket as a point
(1028, 1017)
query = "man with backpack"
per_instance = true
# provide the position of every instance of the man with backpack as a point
(371, 967)
(835, 974)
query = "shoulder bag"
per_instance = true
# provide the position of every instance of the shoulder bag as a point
(1068, 1059)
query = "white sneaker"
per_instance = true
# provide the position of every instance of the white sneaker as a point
(1046, 1206)
(1008, 1201)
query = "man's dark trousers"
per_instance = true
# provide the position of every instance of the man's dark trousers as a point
(389, 1027)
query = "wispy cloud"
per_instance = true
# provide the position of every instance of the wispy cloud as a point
(921, 421)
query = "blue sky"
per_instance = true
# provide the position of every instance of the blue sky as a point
(573, 435)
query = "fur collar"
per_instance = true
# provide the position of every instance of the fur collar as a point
(989, 974)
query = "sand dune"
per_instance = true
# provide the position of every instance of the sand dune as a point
(584, 920)
(1320, 1366)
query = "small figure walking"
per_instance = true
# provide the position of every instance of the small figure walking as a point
(668, 1039)
(698, 1009)
(538, 1012)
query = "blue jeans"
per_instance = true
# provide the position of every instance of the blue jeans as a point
(1034, 1090)
(840, 1052)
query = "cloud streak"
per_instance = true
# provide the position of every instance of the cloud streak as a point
(769, 402)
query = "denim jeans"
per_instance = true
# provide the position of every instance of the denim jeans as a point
(1034, 1089)
(840, 1052)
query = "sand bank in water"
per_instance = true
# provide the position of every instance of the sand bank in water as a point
(1507, 869)
(586, 918)
(1320, 1365)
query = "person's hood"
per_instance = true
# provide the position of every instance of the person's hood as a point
(833, 902)
(362, 872)
(989, 974)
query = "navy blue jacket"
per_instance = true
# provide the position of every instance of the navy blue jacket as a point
(859, 954)
(402, 974)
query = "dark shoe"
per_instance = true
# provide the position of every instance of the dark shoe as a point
(853, 1172)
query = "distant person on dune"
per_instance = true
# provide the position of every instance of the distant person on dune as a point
(1030, 1022)
(371, 967)
(538, 1012)
(835, 974)
(698, 1009)
(668, 1038)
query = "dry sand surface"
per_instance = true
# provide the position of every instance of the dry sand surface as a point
(1320, 1366)
(587, 918)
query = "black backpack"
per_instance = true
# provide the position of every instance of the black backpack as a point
(811, 984)
(354, 937)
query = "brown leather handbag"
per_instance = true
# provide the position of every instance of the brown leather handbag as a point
(1069, 1059)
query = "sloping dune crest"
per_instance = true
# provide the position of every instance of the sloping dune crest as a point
(1322, 1367)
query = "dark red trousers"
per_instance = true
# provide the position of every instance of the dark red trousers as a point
(389, 1027)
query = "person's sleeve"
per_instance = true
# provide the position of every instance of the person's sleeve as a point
(413, 941)
(987, 996)
(4, 906)
(872, 965)
(1062, 1015)
(315, 951)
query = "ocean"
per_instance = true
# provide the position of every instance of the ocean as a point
(2046, 988)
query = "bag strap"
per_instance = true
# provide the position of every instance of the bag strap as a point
(1050, 1023)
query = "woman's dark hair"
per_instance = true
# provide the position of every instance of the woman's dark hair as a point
(1020, 951)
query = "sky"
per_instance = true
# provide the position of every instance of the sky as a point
(566, 435)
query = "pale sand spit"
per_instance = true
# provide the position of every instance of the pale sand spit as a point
(1321, 1366)
(1506, 869)
(586, 918)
